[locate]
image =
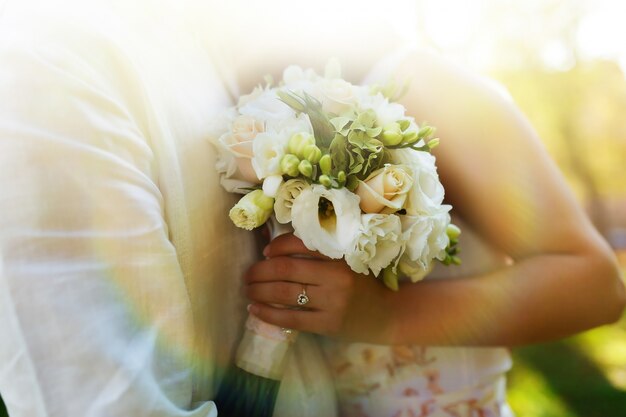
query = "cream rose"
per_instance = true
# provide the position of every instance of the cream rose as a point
(243, 131)
(427, 192)
(386, 189)
(327, 220)
(377, 245)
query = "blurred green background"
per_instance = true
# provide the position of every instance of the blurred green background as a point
(563, 62)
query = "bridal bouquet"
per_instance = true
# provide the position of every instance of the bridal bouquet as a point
(347, 169)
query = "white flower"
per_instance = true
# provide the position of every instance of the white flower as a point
(425, 238)
(272, 184)
(386, 189)
(298, 80)
(427, 192)
(386, 112)
(252, 210)
(337, 96)
(378, 243)
(267, 106)
(270, 146)
(327, 220)
(285, 197)
(232, 138)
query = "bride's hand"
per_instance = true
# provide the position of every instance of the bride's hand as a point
(341, 303)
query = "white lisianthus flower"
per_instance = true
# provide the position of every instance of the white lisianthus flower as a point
(427, 192)
(252, 210)
(424, 238)
(327, 220)
(378, 244)
(386, 189)
(285, 197)
(270, 146)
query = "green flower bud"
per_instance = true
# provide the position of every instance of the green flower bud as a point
(433, 143)
(390, 279)
(404, 124)
(299, 142)
(325, 181)
(392, 134)
(252, 210)
(453, 231)
(410, 137)
(289, 165)
(326, 164)
(312, 154)
(341, 177)
(305, 168)
(426, 131)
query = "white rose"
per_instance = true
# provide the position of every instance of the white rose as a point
(377, 245)
(267, 106)
(427, 192)
(285, 197)
(425, 238)
(337, 96)
(326, 220)
(385, 190)
(270, 146)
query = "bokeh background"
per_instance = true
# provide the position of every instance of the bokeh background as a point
(564, 63)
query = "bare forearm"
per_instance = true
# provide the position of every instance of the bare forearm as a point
(540, 298)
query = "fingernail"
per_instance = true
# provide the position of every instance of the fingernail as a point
(252, 309)
(266, 250)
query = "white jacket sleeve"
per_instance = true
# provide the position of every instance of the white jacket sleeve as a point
(94, 314)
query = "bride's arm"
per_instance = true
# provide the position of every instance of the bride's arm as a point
(564, 278)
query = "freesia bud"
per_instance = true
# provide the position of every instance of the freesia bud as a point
(453, 231)
(325, 181)
(252, 210)
(390, 279)
(433, 143)
(326, 164)
(426, 131)
(404, 124)
(305, 168)
(341, 177)
(299, 142)
(312, 153)
(410, 137)
(289, 165)
(392, 134)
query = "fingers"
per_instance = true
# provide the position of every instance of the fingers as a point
(302, 320)
(285, 293)
(289, 245)
(304, 271)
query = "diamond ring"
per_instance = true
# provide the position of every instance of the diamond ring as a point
(302, 299)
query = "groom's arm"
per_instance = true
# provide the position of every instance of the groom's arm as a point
(94, 315)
